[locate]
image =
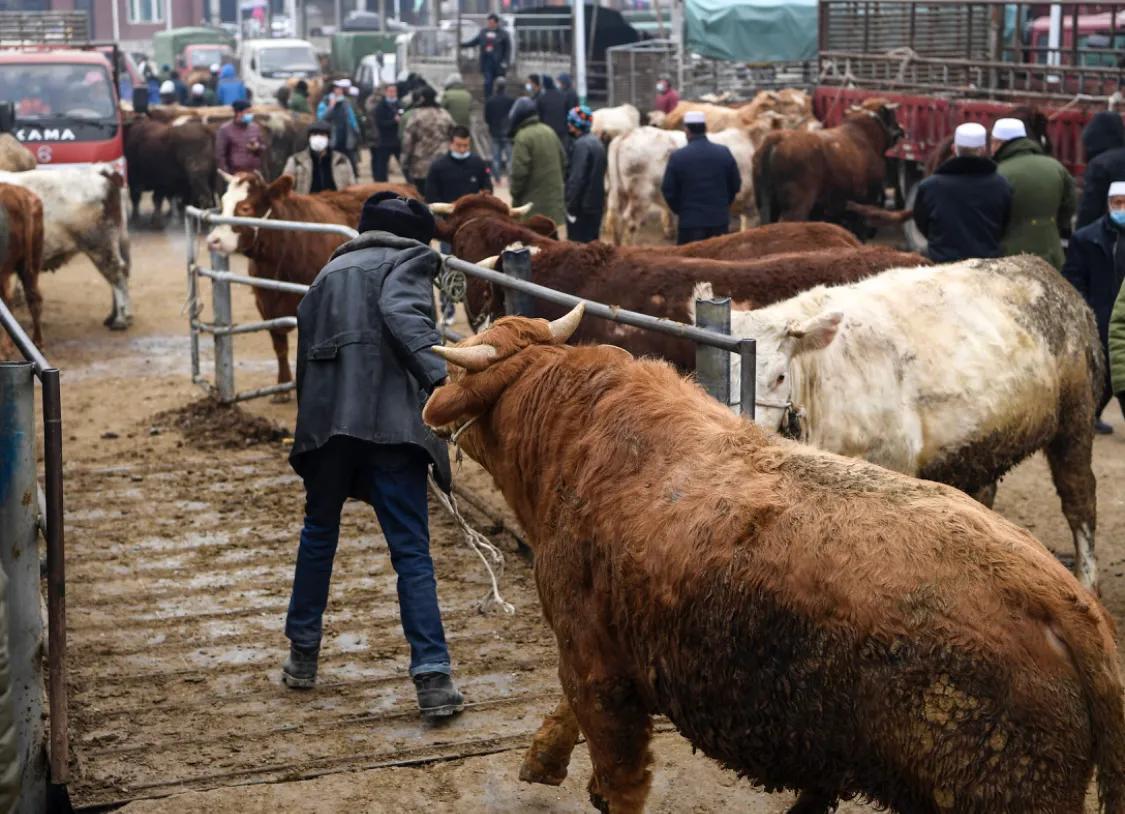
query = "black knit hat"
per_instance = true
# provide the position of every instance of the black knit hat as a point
(405, 217)
(239, 105)
(320, 126)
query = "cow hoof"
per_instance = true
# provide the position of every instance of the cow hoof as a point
(598, 802)
(281, 398)
(118, 325)
(532, 771)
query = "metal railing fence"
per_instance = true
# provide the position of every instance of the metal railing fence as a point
(23, 571)
(713, 346)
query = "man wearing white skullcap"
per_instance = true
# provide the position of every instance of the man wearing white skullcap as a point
(963, 208)
(1043, 193)
(1095, 265)
(700, 183)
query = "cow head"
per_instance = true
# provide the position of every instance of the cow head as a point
(480, 369)
(247, 196)
(452, 216)
(882, 111)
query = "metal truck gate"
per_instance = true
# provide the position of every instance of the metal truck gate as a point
(711, 334)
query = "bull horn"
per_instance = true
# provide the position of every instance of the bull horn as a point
(489, 262)
(565, 326)
(441, 208)
(226, 176)
(519, 211)
(474, 359)
(891, 105)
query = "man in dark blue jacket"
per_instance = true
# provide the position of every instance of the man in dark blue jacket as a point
(1104, 140)
(1095, 265)
(364, 370)
(700, 183)
(495, 51)
(585, 178)
(964, 207)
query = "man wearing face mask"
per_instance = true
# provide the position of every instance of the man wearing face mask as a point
(384, 116)
(458, 172)
(666, 96)
(239, 143)
(1095, 265)
(320, 167)
(338, 112)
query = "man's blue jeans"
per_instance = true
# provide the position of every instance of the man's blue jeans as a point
(501, 157)
(394, 478)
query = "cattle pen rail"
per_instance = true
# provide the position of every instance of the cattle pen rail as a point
(21, 516)
(711, 334)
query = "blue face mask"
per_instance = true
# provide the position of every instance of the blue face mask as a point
(459, 156)
(247, 117)
(1117, 216)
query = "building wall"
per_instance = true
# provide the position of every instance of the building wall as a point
(184, 12)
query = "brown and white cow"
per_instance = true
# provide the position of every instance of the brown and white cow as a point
(295, 257)
(23, 256)
(812, 622)
(953, 373)
(661, 284)
(812, 175)
(83, 213)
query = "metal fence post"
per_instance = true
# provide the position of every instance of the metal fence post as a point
(56, 577)
(712, 365)
(19, 560)
(748, 389)
(517, 264)
(224, 342)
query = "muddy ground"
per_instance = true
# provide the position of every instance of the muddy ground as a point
(180, 555)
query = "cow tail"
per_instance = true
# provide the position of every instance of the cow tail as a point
(613, 213)
(763, 192)
(33, 263)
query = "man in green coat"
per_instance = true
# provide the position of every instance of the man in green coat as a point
(299, 97)
(456, 99)
(1043, 193)
(538, 163)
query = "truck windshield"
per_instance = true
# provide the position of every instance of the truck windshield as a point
(285, 59)
(43, 91)
(202, 56)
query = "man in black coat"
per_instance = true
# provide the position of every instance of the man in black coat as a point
(496, 111)
(495, 50)
(566, 87)
(552, 108)
(964, 207)
(384, 116)
(458, 172)
(1095, 265)
(700, 183)
(364, 370)
(1104, 140)
(585, 179)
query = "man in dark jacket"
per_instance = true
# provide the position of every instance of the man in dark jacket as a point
(496, 111)
(570, 95)
(963, 208)
(552, 108)
(1104, 140)
(585, 179)
(458, 172)
(700, 183)
(495, 49)
(1095, 265)
(385, 116)
(364, 369)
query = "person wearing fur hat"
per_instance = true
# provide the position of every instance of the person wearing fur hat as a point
(364, 369)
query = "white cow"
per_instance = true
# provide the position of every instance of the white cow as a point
(611, 122)
(635, 169)
(952, 373)
(83, 213)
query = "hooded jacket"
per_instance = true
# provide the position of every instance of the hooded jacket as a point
(230, 88)
(538, 164)
(1104, 140)
(364, 364)
(457, 100)
(1043, 200)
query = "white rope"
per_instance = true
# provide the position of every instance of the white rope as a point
(489, 554)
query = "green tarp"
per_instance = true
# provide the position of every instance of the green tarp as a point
(754, 31)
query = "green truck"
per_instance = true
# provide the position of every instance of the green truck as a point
(194, 48)
(350, 47)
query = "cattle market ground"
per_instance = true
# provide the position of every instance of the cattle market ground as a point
(180, 553)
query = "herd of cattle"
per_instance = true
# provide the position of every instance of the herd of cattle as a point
(926, 653)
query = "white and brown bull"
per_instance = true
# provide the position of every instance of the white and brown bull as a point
(812, 622)
(952, 373)
(83, 213)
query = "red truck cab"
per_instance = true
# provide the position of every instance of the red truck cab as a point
(66, 106)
